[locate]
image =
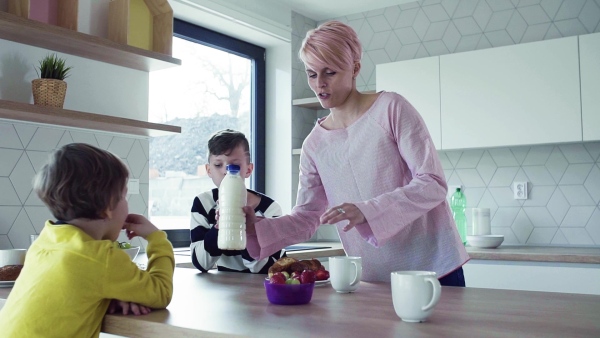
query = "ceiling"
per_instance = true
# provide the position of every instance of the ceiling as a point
(319, 10)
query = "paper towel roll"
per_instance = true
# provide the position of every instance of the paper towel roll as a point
(481, 221)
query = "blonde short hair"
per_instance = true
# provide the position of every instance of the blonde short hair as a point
(333, 43)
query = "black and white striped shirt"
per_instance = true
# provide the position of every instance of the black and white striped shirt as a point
(203, 234)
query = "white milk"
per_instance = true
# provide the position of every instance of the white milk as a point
(232, 220)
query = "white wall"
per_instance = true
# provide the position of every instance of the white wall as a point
(93, 86)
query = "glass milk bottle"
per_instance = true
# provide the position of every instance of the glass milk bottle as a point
(232, 220)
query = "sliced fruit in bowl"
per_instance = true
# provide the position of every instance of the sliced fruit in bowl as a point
(289, 294)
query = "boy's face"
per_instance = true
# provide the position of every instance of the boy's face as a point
(118, 216)
(217, 164)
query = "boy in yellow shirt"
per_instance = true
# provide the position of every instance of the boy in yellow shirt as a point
(73, 273)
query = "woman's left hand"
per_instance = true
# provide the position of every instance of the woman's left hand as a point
(345, 211)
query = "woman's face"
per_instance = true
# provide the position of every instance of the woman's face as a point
(331, 87)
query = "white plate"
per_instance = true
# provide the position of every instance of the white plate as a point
(7, 284)
(485, 241)
(321, 282)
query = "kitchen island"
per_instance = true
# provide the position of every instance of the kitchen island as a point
(219, 303)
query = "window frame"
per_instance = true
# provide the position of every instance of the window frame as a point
(194, 33)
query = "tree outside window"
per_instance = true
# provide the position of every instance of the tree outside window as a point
(209, 92)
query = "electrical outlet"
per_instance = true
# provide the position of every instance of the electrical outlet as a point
(520, 190)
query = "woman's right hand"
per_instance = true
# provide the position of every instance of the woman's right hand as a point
(251, 219)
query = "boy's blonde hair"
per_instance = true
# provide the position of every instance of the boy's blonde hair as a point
(81, 181)
(333, 43)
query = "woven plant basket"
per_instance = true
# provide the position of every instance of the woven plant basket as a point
(49, 92)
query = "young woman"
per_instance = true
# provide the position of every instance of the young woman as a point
(369, 167)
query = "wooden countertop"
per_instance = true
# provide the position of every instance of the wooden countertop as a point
(538, 254)
(221, 303)
(590, 255)
(550, 254)
(585, 255)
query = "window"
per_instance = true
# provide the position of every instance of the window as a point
(221, 84)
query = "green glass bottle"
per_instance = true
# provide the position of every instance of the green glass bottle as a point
(458, 203)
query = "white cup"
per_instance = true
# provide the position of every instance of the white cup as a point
(32, 238)
(345, 273)
(481, 221)
(415, 294)
(12, 257)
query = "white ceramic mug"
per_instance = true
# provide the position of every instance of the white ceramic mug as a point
(481, 221)
(12, 257)
(415, 294)
(345, 273)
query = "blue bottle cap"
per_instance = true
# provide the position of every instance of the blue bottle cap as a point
(233, 168)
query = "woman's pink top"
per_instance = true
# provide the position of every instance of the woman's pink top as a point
(386, 164)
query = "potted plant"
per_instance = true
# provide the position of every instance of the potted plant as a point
(50, 89)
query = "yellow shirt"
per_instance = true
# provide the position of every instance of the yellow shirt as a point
(69, 279)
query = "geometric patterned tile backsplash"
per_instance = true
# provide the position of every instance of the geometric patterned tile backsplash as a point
(24, 148)
(564, 180)
(563, 205)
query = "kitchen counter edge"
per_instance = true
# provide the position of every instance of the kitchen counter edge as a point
(586, 255)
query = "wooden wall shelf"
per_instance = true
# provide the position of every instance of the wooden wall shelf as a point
(67, 41)
(71, 118)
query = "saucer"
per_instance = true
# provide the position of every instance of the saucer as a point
(321, 282)
(7, 284)
(485, 241)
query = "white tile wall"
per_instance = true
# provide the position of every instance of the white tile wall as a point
(24, 148)
(563, 208)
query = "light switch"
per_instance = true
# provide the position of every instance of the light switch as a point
(133, 186)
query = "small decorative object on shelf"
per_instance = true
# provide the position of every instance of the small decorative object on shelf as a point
(61, 13)
(146, 24)
(50, 89)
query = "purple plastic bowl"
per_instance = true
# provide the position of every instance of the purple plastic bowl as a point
(286, 294)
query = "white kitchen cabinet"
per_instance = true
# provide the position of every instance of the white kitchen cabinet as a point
(589, 58)
(533, 276)
(418, 81)
(514, 95)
